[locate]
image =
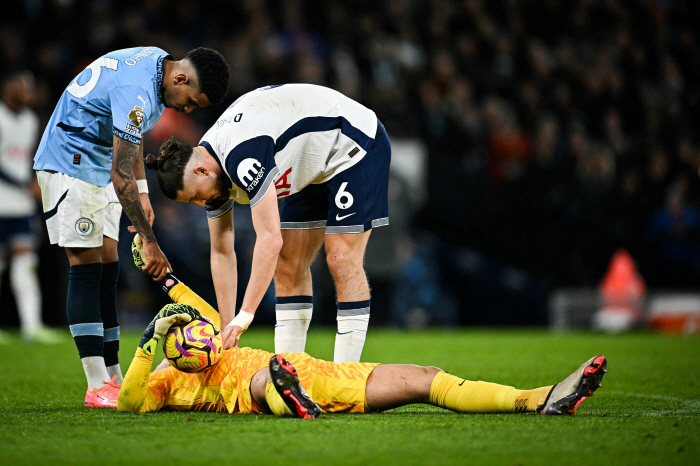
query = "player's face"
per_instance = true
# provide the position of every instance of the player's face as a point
(202, 188)
(203, 191)
(184, 98)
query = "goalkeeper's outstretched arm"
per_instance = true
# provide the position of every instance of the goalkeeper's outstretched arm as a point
(182, 294)
(177, 291)
(134, 396)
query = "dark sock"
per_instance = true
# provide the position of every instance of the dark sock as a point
(108, 308)
(83, 309)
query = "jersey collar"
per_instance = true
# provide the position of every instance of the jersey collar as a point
(159, 76)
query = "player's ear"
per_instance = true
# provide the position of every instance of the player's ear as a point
(201, 170)
(181, 78)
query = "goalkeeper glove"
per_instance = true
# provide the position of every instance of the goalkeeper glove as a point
(137, 251)
(177, 308)
(159, 326)
(140, 259)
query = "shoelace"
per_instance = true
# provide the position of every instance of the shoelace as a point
(112, 384)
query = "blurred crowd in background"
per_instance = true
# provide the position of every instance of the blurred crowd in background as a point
(532, 139)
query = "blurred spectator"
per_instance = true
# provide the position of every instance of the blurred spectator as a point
(19, 128)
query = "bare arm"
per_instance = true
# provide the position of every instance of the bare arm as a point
(268, 242)
(140, 174)
(139, 169)
(125, 156)
(223, 265)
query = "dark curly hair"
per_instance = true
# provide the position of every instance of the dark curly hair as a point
(213, 73)
(170, 166)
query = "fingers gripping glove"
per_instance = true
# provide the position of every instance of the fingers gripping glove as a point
(140, 259)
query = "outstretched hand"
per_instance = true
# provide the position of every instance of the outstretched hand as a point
(150, 259)
(230, 336)
(232, 332)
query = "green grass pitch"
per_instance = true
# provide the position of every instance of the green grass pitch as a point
(647, 412)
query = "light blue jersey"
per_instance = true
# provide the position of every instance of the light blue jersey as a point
(118, 94)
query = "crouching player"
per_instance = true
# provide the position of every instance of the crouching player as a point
(246, 380)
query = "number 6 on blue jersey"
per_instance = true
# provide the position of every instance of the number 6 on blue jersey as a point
(81, 90)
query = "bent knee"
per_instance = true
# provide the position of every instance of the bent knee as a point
(342, 263)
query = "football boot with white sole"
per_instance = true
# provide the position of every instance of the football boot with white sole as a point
(565, 397)
(286, 382)
(106, 396)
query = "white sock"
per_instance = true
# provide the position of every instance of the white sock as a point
(95, 371)
(25, 286)
(292, 325)
(115, 370)
(350, 339)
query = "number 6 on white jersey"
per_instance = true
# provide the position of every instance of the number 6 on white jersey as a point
(81, 90)
(343, 194)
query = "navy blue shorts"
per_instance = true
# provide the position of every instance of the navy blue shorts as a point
(354, 201)
(16, 231)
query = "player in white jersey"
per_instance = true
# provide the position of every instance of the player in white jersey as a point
(329, 157)
(19, 127)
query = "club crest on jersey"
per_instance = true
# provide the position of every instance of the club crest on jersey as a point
(250, 172)
(84, 227)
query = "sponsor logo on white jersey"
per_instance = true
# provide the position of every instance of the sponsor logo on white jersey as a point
(250, 172)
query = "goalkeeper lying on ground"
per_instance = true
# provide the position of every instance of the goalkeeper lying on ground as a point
(246, 380)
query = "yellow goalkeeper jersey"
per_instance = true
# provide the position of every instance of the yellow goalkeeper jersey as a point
(216, 389)
(225, 387)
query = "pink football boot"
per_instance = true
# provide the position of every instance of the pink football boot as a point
(104, 397)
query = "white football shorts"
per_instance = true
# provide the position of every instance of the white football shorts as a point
(78, 214)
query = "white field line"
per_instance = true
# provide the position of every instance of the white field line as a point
(691, 406)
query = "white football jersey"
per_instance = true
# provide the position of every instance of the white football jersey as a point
(292, 135)
(18, 138)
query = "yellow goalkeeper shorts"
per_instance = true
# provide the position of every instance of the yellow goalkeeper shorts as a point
(336, 388)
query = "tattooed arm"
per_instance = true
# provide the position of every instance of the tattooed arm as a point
(126, 155)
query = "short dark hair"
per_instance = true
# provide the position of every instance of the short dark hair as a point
(213, 73)
(170, 166)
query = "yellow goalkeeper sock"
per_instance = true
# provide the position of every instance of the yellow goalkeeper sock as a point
(275, 401)
(531, 400)
(464, 396)
(182, 294)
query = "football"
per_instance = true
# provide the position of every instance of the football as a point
(194, 346)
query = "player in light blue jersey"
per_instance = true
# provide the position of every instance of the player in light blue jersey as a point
(90, 166)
